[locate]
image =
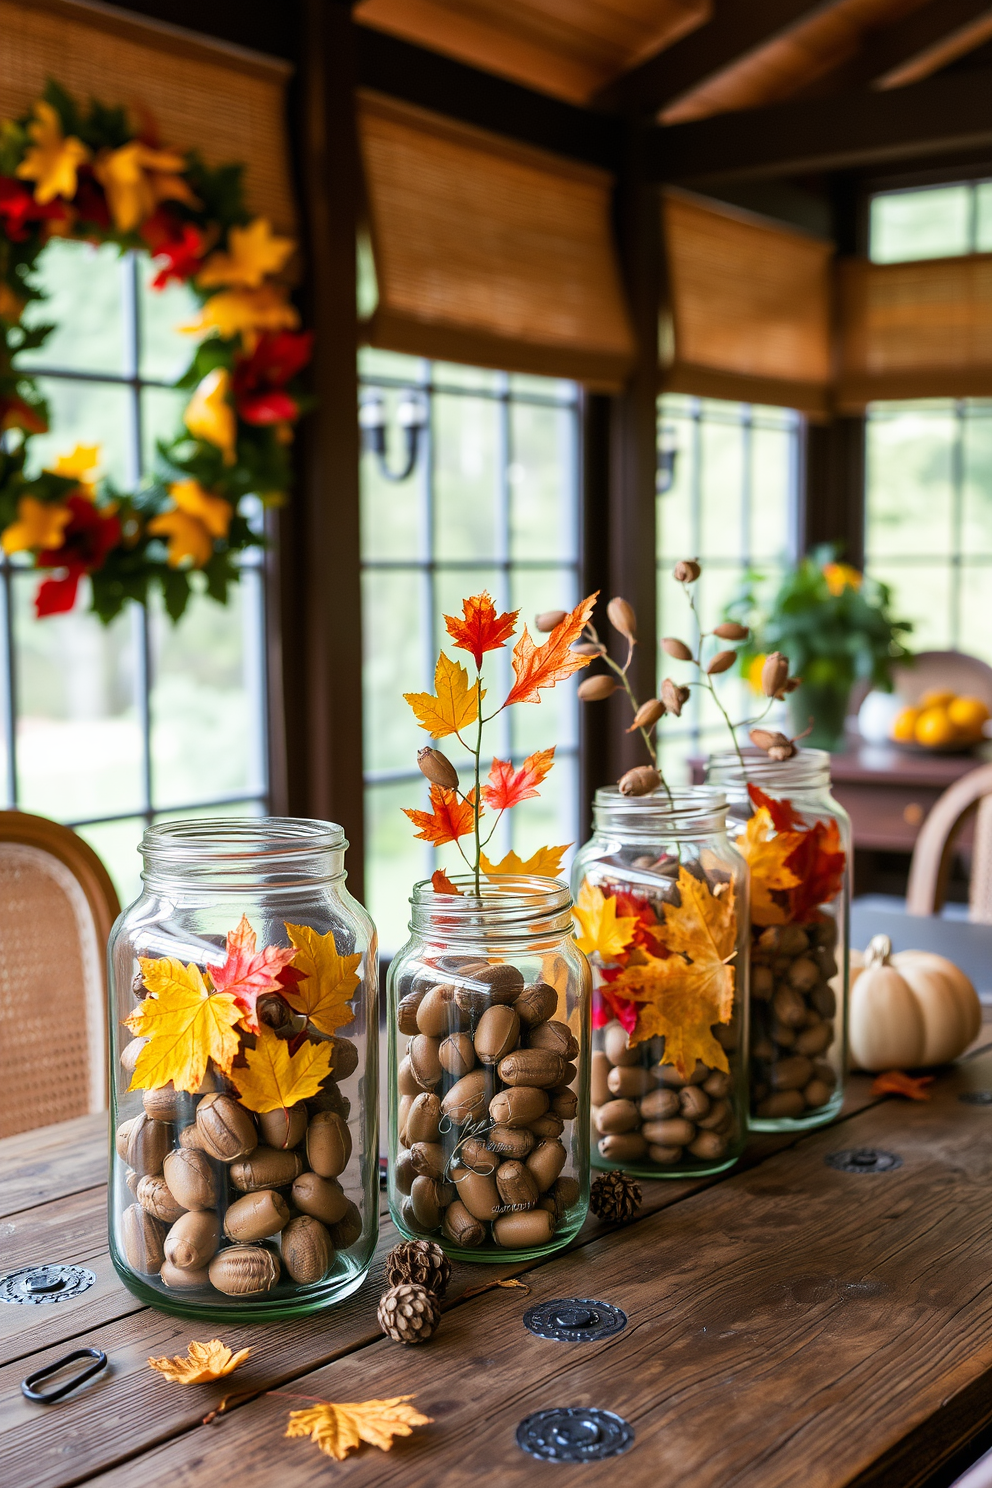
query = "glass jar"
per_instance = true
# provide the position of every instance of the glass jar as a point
(797, 840)
(243, 1083)
(661, 909)
(489, 1070)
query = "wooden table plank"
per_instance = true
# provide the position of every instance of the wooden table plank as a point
(52, 1161)
(792, 1324)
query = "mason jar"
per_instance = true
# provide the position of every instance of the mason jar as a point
(797, 839)
(243, 1076)
(489, 1070)
(661, 903)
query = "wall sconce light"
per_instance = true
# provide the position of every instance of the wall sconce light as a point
(668, 450)
(411, 415)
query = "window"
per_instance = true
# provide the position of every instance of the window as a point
(492, 503)
(108, 728)
(733, 504)
(928, 497)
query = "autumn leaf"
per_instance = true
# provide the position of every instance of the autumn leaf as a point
(542, 666)
(545, 863)
(210, 413)
(602, 932)
(275, 1078)
(185, 1026)
(136, 178)
(785, 818)
(253, 252)
(766, 857)
(248, 973)
(40, 524)
(203, 1362)
(451, 706)
(246, 313)
(441, 883)
(818, 862)
(508, 787)
(51, 160)
(82, 464)
(481, 629)
(448, 819)
(328, 979)
(894, 1082)
(339, 1429)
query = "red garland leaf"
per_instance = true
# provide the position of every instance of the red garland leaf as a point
(783, 814)
(508, 787)
(481, 629)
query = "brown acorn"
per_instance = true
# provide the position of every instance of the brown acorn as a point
(647, 715)
(437, 767)
(774, 674)
(595, 689)
(686, 571)
(721, 662)
(775, 745)
(548, 619)
(640, 781)
(672, 646)
(622, 618)
(674, 697)
(408, 1313)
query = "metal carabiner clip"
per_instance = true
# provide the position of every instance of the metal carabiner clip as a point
(49, 1397)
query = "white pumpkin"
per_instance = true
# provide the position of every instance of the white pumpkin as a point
(909, 1010)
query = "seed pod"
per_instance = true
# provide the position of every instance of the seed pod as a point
(665, 1155)
(554, 1035)
(804, 974)
(402, 1117)
(511, 1141)
(226, 1129)
(815, 1040)
(423, 1124)
(618, 1051)
(720, 1117)
(324, 1198)
(686, 571)
(132, 1180)
(647, 715)
(564, 1102)
(721, 662)
(424, 1060)
(617, 1116)
(439, 1014)
(717, 1085)
(473, 1153)
(674, 697)
(273, 1011)
(674, 1131)
(500, 982)
(587, 648)
(409, 1219)
(673, 647)
(546, 1126)
(344, 1057)
(161, 1104)
(244, 1270)
(775, 745)
(121, 1138)
(817, 1093)
(466, 1100)
(190, 1139)
(457, 1054)
(429, 1200)
(694, 1103)
(774, 675)
(406, 1013)
(404, 1172)
(791, 1073)
(497, 1033)
(185, 1281)
(347, 1230)
(461, 1227)
(406, 1081)
(266, 1167)
(708, 1146)
(147, 1143)
(622, 1147)
(429, 1159)
(518, 1106)
(190, 1176)
(283, 1128)
(546, 1162)
(622, 618)
(143, 1237)
(329, 1144)
(729, 630)
(155, 1196)
(657, 1105)
(548, 619)
(542, 1068)
(478, 1192)
(256, 1216)
(193, 1240)
(599, 1086)
(596, 689)
(627, 1083)
(640, 781)
(307, 1252)
(517, 1185)
(129, 1055)
(523, 1230)
(331, 1099)
(437, 767)
(535, 1004)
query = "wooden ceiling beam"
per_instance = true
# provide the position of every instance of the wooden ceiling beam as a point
(911, 49)
(940, 116)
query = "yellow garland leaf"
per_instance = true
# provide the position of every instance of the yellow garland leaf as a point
(766, 857)
(209, 414)
(82, 464)
(188, 538)
(136, 178)
(245, 312)
(203, 1362)
(274, 1078)
(545, 863)
(339, 1429)
(213, 511)
(40, 524)
(184, 1024)
(330, 979)
(452, 706)
(51, 160)
(602, 931)
(254, 252)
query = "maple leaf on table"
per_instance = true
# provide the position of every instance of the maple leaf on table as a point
(448, 819)
(481, 629)
(895, 1082)
(767, 857)
(185, 1025)
(542, 666)
(274, 1078)
(327, 978)
(441, 883)
(248, 973)
(453, 704)
(339, 1429)
(545, 863)
(602, 931)
(508, 787)
(203, 1362)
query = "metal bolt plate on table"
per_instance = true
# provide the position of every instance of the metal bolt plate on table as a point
(976, 1097)
(574, 1434)
(575, 1319)
(863, 1160)
(34, 1284)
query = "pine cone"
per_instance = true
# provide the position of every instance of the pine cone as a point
(421, 1262)
(408, 1313)
(615, 1197)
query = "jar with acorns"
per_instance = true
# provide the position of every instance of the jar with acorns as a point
(661, 910)
(244, 1091)
(797, 841)
(489, 1069)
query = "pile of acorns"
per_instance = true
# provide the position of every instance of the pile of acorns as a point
(486, 1091)
(792, 1009)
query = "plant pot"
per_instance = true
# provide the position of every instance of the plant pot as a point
(824, 703)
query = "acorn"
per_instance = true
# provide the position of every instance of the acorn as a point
(595, 689)
(437, 767)
(622, 618)
(640, 781)
(686, 571)
(774, 675)
(647, 715)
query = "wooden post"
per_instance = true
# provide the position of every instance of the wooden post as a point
(594, 718)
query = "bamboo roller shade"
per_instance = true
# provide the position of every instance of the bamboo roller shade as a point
(749, 305)
(488, 252)
(222, 101)
(914, 330)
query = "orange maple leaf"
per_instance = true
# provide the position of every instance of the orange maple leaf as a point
(441, 883)
(448, 819)
(482, 629)
(508, 787)
(894, 1082)
(542, 666)
(766, 857)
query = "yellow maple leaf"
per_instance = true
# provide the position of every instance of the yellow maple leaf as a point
(245, 313)
(274, 1078)
(253, 252)
(40, 524)
(213, 511)
(51, 160)
(685, 993)
(203, 1362)
(185, 1025)
(136, 178)
(188, 538)
(766, 857)
(330, 979)
(82, 464)
(453, 705)
(545, 863)
(210, 415)
(339, 1429)
(602, 930)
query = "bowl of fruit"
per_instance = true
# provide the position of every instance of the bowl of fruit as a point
(941, 721)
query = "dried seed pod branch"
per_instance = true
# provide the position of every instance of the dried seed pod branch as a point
(620, 613)
(686, 573)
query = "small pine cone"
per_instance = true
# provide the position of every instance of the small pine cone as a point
(615, 1197)
(408, 1313)
(421, 1262)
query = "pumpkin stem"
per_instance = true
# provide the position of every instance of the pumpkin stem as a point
(878, 952)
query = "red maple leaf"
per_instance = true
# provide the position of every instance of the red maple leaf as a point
(818, 862)
(448, 819)
(441, 883)
(606, 1005)
(784, 816)
(19, 211)
(89, 536)
(481, 629)
(177, 247)
(508, 787)
(248, 973)
(259, 381)
(649, 930)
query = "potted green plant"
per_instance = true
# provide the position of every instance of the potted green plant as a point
(835, 625)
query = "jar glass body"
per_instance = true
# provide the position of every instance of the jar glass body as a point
(253, 1192)
(488, 1013)
(798, 841)
(662, 904)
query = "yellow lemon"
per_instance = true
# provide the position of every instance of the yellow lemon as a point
(967, 715)
(904, 726)
(934, 728)
(938, 698)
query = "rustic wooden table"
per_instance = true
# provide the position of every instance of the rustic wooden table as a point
(788, 1324)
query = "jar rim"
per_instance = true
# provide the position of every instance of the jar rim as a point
(807, 769)
(687, 812)
(219, 838)
(510, 905)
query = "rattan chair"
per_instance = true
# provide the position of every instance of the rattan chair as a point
(935, 848)
(57, 905)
